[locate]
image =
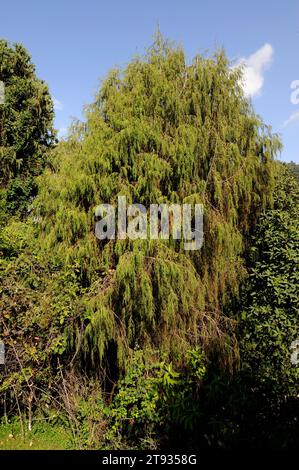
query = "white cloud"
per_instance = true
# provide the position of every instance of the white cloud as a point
(254, 68)
(293, 117)
(57, 104)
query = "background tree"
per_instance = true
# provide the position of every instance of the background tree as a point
(26, 127)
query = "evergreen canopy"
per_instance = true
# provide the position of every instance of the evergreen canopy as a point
(26, 126)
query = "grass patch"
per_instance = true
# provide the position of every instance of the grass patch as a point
(43, 436)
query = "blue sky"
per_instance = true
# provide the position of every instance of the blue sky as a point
(74, 43)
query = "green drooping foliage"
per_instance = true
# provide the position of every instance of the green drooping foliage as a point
(26, 127)
(159, 131)
(154, 327)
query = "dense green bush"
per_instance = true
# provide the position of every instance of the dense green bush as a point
(270, 322)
